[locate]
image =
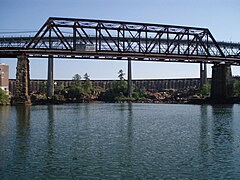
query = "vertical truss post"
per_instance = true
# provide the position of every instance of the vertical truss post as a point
(146, 37)
(100, 39)
(96, 38)
(129, 78)
(123, 35)
(168, 41)
(118, 40)
(74, 36)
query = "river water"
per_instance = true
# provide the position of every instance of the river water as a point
(120, 141)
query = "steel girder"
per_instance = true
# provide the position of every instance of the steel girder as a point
(84, 38)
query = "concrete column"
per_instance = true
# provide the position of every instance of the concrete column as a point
(203, 74)
(22, 82)
(222, 83)
(50, 82)
(129, 78)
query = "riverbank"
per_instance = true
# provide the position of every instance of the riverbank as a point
(170, 96)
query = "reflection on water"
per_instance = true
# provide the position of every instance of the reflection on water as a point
(223, 140)
(4, 131)
(217, 141)
(50, 128)
(120, 141)
(4, 116)
(50, 155)
(22, 131)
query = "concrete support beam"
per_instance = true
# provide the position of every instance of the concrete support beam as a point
(129, 78)
(222, 83)
(22, 82)
(203, 74)
(50, 82)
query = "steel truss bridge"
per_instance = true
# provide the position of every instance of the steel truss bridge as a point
(100, 39)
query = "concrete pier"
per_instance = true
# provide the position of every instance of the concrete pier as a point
(50, 82)
(222, 83)
(203, 74)
(22, 82)
(129, 78)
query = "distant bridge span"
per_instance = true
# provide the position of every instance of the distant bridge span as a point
(118, 40)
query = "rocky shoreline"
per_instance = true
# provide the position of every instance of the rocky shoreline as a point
(170, 96)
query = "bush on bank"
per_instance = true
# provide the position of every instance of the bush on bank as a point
(4, 98)
(237, 88)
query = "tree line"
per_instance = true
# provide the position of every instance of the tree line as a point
(82, 90)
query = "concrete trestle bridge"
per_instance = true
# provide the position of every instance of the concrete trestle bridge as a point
(117, 40)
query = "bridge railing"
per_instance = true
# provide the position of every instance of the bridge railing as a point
(228, 48)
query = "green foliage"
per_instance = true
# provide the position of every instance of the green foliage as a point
(58, 97)
(4, 98)
(124, 99)
(86, 77)
(119, 89)
(121, 75)
(81, 90)
(119, 92)
(206, 89)
(75, 90)
(76, 78)
(42, 87)
(140, 94)
(143, 92)
(87, 86)
(237, 88)
(59, 88)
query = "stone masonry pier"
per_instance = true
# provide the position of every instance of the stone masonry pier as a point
(22, 82)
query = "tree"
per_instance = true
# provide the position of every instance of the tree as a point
(87, 87)
(76, 78)
(59, 88)
(76, 90)
(237, 87)
(77, 82)
(121, 75)
(206, 89)
(42, 87)
(86, 77)
(4, 98)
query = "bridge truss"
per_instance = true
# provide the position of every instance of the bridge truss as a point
(98, 39)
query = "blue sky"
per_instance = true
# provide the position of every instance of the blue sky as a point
(220, 16)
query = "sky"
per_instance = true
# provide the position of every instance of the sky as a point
(220, 16)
